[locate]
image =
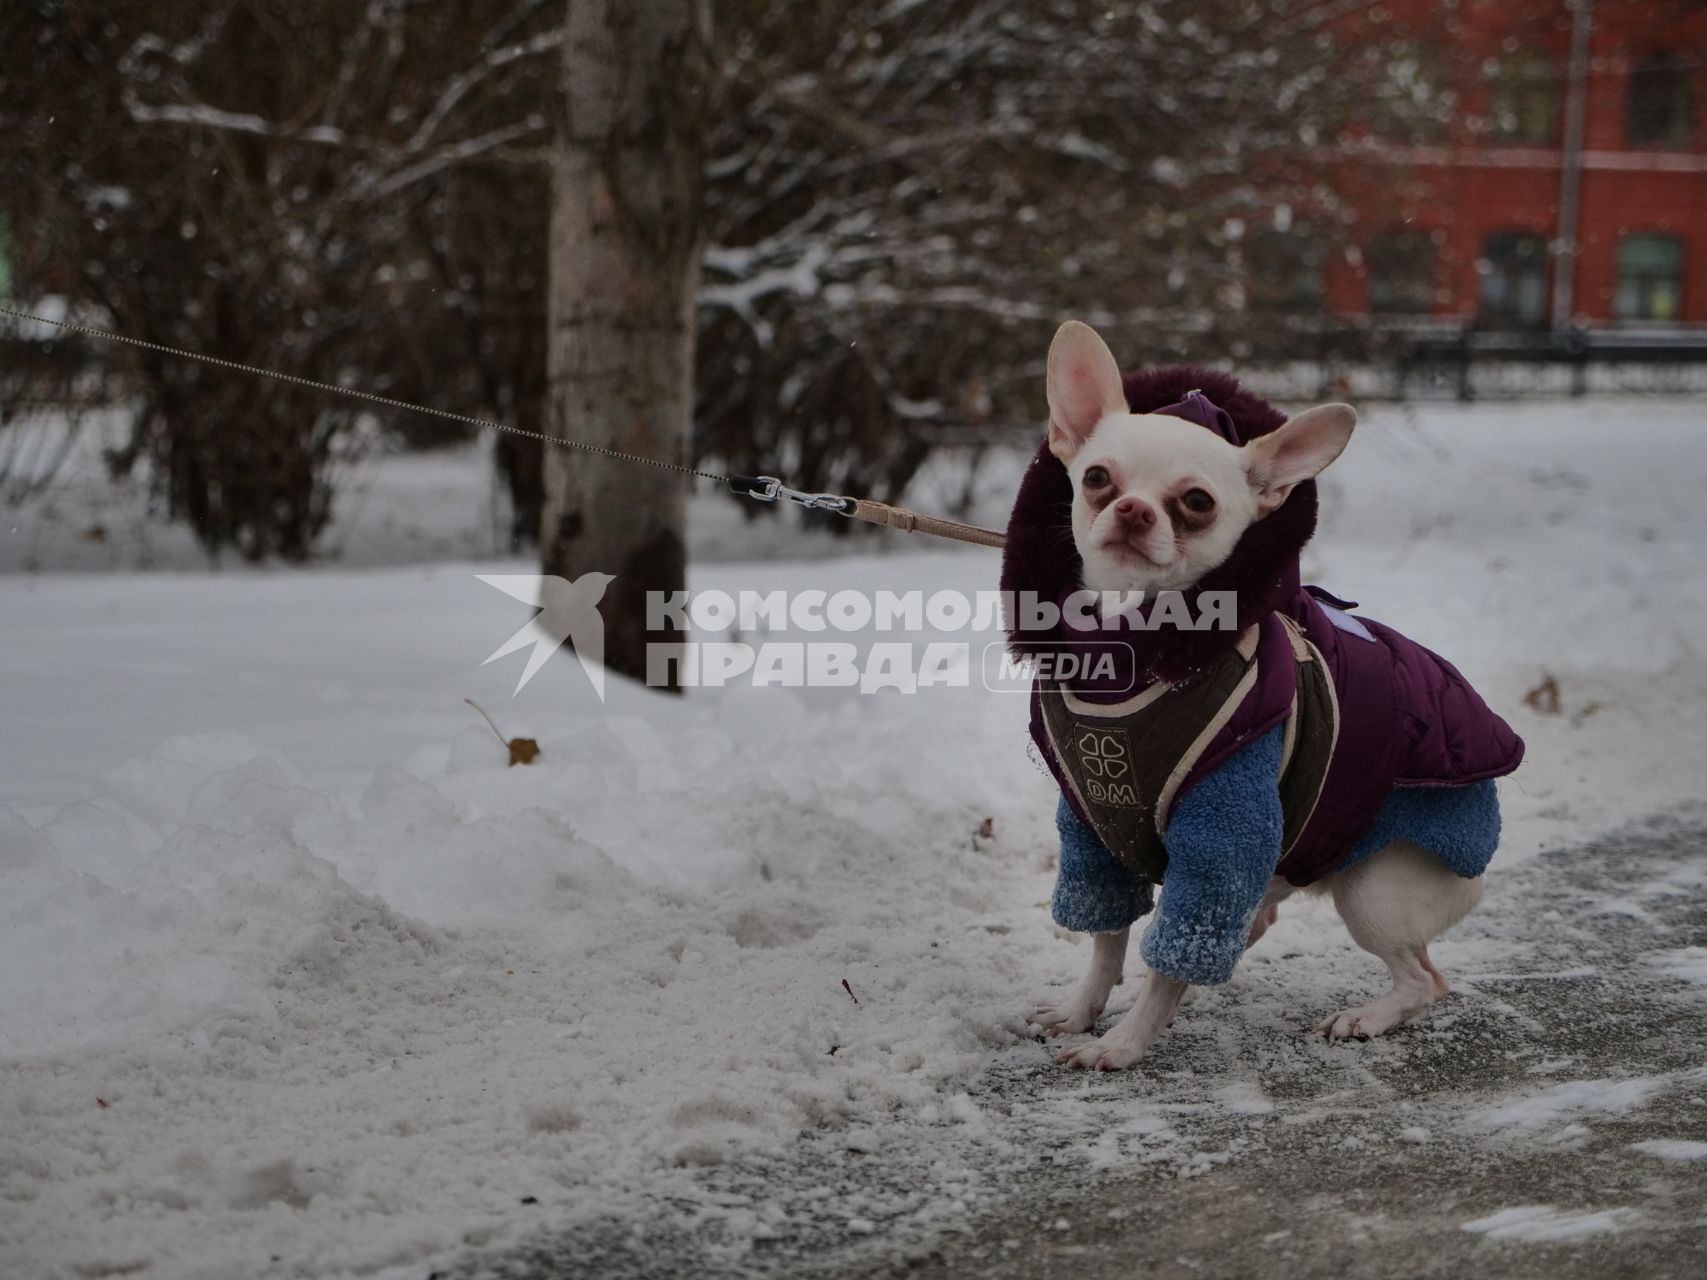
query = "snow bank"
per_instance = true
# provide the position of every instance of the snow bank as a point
(261, 995)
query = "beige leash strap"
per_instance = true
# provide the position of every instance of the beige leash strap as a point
(935, 526)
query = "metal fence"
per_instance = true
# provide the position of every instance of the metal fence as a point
(1427, 360)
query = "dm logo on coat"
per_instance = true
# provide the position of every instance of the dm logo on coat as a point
(1105, 763)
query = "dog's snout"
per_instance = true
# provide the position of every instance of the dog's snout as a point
(1135, 512)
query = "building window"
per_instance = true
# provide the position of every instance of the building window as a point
(1400, 265)
(1523, 99)
(1285, 272)
(1650, 278)
(1513, 268)
(1658, 103)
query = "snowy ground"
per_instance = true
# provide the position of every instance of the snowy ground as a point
(298, 979)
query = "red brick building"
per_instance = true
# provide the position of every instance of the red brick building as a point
(1549, 115)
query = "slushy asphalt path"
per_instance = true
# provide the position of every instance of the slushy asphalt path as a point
(1370, 1168)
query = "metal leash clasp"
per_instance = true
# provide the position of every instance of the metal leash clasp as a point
(771, 489)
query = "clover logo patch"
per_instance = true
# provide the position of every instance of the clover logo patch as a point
(1105, 765)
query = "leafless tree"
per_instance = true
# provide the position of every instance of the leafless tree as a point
(904, 198)
(321, 188)
(625, 250)
(899, 200)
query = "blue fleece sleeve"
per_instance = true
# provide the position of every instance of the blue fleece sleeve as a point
(1094, 892)
(1223, 841)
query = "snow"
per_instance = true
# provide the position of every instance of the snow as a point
(1689, 963)
(292, 963)
(1577, 1097)
(391, 509)
(1672, 1149)
(1543, 1223)
(444, 505)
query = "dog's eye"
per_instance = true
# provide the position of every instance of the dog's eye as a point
(1095, 477)
(1198, 501)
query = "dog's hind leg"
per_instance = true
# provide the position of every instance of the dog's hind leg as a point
(1268, 911)
(1394, 903)
(1081, 1011)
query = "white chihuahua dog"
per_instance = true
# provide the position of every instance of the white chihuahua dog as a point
(1303, 747)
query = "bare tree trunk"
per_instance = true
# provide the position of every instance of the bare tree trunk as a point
(625, 256)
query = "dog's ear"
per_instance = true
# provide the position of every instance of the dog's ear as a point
(1084, 387)
(1296, 451)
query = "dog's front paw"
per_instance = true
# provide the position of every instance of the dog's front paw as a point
(1347, 1025)
(1077, 1015)
(1111, 1053)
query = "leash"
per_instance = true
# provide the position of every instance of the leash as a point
(758, 488)
(770, 489)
